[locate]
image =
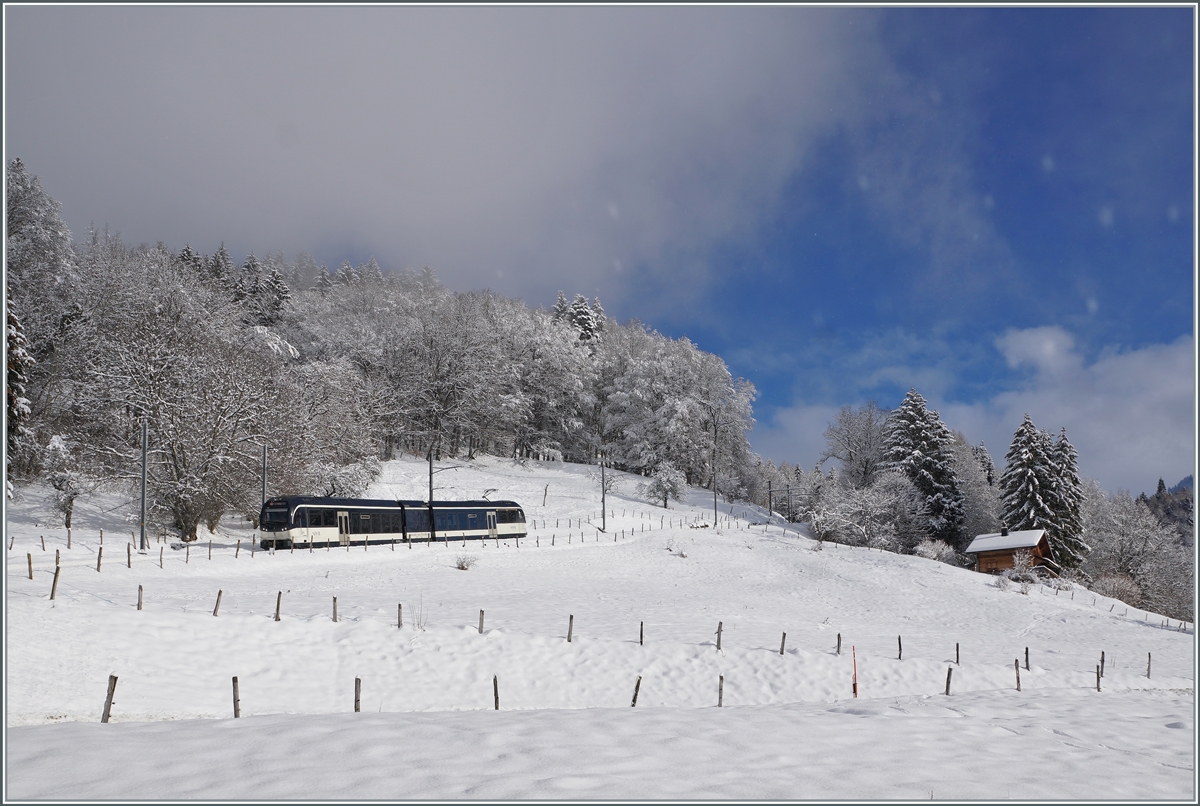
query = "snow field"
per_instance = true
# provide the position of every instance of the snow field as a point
(790, 726)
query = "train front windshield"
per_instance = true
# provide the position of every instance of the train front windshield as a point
(273, 518)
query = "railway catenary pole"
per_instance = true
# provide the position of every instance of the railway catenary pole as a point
(603, 504)
(145, 449)
(432, 537)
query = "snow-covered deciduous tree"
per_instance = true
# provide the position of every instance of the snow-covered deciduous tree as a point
(856, 439)
(62, 472)
(918, 444)
(666, 483)
(1131, 546)
(981, 499)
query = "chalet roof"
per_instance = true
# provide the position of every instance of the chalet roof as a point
(1024, 539)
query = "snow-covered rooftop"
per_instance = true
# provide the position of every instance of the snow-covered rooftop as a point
(1024, 539)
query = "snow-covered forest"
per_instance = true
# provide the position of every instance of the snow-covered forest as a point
(331, 371)
(336, 371)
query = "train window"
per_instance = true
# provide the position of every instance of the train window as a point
(418, 520)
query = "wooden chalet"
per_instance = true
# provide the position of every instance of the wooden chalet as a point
(994, 552)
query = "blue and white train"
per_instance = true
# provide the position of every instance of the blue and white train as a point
(307, 521)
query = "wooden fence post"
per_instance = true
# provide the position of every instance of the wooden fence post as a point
(278, 601)
(129, 555)
(43, 537)
(641, 633)
(29, 556)
(1017, 669)
(1027, 659)
(854, 657)
(237, 701)
(335, 610)
(108, 701)
(481, 622)
(399, 616)
(357, 693)
(1147, 665)
(139, 596)
(161, 549)
(839, 645)
(949, 672)
(68, 537)
(782, 641)
(721, 691)
(99, 557)
(1097, 677)
(1102, 663)
(218, 607)
(187, 555)
(54, 590)
(636, 686)
(496, 690)
(570, 628)
(720, 624)
(57, 558)
(237, 550)
(956, 654)
(899, 648)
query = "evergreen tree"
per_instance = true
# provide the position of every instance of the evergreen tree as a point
(192, 260)
(345, 274)
(598, 315)
(220, 265)
(275, 297)
(1027, 485)
(1066, 538)
(985, 461)
(371, 273)
(918, 444)
(324, 282)
(559, 313)
(18, 363)
(581, 316)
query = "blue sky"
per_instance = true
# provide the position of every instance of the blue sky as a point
(994, 205)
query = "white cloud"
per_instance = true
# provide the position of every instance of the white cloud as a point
(1130, 413)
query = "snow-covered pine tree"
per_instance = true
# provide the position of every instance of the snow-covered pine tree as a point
(191, 260)
(371, 273)
(559, 312)
(220, 266)
(324, 282)
(1027, 483)
(917, 443)
(1066, 537)
(18, 363)
(598, 315)
(581, 316)
(275, 297)
(345, 274)
(985, 461)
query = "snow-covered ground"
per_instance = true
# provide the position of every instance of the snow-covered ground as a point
(790, 726)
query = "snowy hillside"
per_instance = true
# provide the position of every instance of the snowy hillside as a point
(789, 725)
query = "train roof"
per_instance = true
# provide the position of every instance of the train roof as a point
(294, 500)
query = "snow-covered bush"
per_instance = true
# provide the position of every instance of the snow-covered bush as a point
(463, 562)
(665, 483)
(937, 550)
(1118, 586)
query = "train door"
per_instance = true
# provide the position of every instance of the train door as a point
(343, 528)
(491, 524)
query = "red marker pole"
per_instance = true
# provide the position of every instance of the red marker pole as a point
(854, 655)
